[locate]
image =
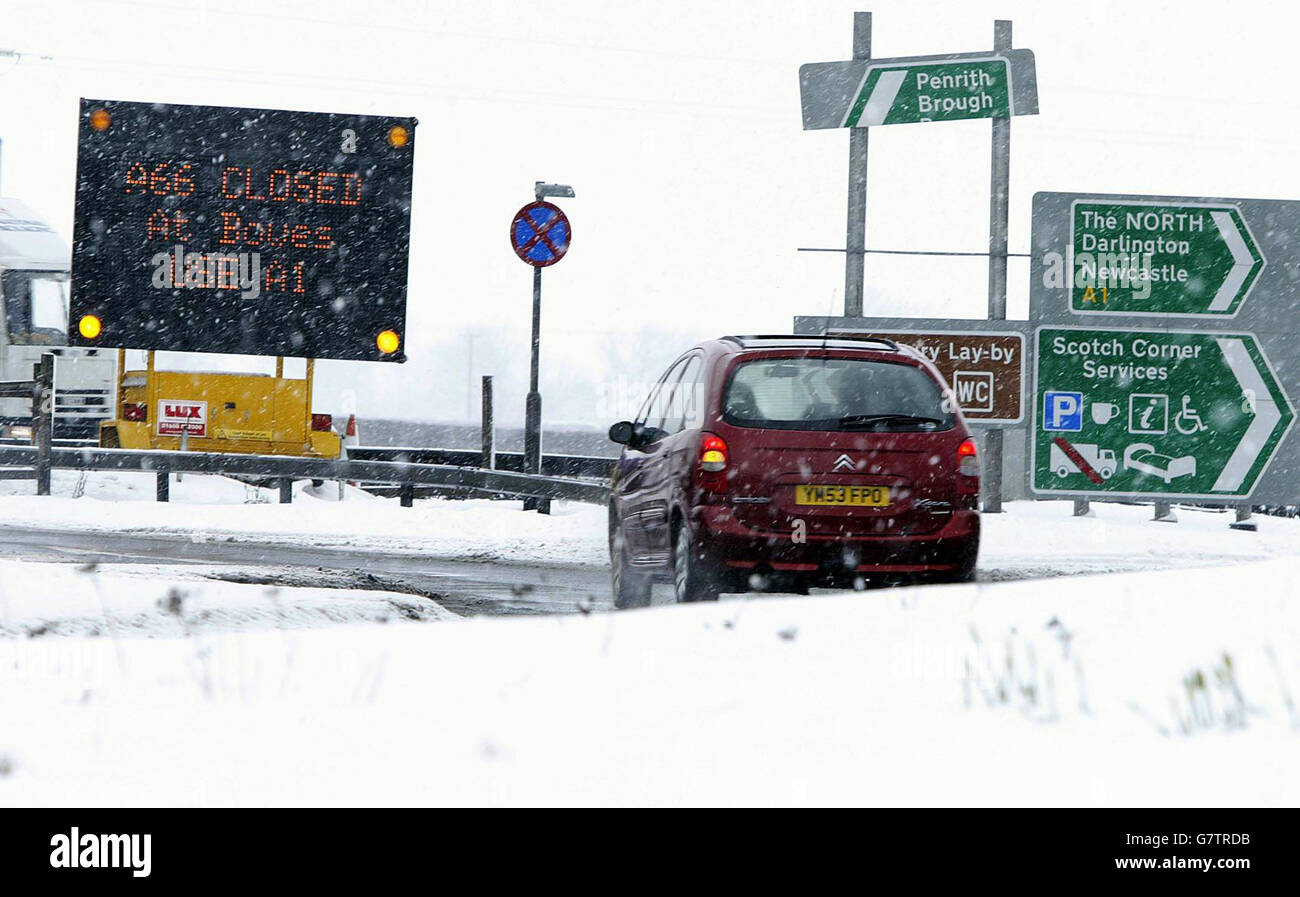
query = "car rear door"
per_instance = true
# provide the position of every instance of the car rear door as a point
(665, 471)
(638, 467)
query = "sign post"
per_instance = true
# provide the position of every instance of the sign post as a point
(999, 189)
(540, 235)
(855, 232)
(863, 93)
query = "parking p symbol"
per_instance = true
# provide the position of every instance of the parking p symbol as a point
(1063, 411)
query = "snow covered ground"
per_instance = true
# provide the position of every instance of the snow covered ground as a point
(1157, 687)
(1175, 684)
(123, 601)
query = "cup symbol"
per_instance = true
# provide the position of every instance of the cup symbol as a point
(1103, 412)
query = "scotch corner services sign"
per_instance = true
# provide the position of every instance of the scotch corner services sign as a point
(1155, 414)
(250, 231)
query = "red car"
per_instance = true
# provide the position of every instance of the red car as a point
(793, 460)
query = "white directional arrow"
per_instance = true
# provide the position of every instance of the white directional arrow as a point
(1242, 261)
(883, 94)
(1267, 414)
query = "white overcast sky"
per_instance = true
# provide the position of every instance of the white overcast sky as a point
(678, 124)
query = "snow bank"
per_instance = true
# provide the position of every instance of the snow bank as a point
(132, 600)
(1148, 688)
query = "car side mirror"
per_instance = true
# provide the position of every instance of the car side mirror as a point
(622, 432)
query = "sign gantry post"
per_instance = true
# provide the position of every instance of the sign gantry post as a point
(999, 189)
(855, 236)
(540, 235)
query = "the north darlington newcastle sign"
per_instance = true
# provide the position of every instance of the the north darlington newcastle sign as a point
(215, 229)
(983, 362)
(866, 93)
(1160, 258)
(1172, 414)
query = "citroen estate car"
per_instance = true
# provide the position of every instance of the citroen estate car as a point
(792, 461)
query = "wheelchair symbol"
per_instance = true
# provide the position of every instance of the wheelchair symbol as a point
(1188, 420)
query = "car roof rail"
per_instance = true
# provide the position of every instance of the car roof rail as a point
(862, 337)
(749, 341)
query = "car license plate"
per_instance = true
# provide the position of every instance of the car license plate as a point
(858, 496)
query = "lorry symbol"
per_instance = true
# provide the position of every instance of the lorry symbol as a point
(1100, 459)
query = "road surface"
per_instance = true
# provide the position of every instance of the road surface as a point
(465, 587)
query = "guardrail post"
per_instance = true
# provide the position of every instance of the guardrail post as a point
(43, 421)
(164, 478)
(1164, 512)
(406, 495)
(1244, 521)
(489, 427)
(1083, 508)
(286, 490)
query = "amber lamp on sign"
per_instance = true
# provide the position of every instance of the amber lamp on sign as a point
(398, 136)
(387, 341)
(89, 326)
(100, 119)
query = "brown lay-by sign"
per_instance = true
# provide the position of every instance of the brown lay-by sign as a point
(984, 370)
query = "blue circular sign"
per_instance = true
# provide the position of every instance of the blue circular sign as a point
(540, 234)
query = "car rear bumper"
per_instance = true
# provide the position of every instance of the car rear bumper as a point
(739, 546)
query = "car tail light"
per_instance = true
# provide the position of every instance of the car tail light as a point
(968, 467)
(713, 462)
(134, 411)
(322, 423)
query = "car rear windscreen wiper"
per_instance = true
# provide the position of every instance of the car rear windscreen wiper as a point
(855, 421)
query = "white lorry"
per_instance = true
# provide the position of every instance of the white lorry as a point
(1100, 459)
(35, 265)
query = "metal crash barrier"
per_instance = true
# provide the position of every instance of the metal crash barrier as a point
(286, 470)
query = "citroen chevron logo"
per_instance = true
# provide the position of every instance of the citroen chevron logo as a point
(843, 462)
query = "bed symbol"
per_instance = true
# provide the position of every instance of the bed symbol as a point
(1142, 457)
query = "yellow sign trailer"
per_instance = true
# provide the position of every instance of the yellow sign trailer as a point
(218, 412)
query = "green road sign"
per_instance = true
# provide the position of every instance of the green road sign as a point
(945, 91)
(863, 93)
(1160, 259)
(1160, 414)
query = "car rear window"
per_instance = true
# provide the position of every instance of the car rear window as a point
(834, 394)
